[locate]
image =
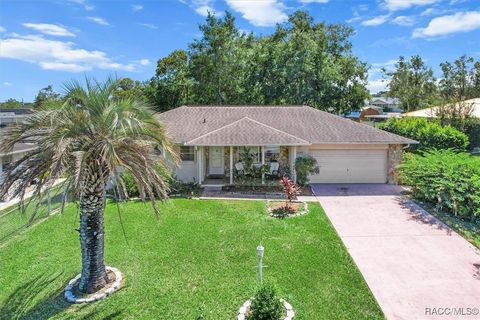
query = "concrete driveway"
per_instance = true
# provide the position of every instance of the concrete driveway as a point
(416, 267)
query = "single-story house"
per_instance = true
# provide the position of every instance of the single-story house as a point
(473, 104)
(211, 140)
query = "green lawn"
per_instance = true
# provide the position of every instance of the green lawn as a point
(197, 262)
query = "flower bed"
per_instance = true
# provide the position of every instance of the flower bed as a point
(282, 209)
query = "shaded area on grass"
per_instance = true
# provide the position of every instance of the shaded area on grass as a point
(13, 221)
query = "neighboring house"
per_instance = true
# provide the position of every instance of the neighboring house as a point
(385, 103)
(7, 118)
(474, 104)
(10, 116)
(211, 138)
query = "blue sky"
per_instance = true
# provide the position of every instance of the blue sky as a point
(51, 42)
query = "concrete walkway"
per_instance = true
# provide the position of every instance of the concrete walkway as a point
(416, 267)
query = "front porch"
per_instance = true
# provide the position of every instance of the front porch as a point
(221, 166)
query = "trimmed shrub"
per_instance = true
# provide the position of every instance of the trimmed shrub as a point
(430, 134)
(446, 179)
(266, 305)
(305, 165)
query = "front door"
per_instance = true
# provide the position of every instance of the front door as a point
(216, 163)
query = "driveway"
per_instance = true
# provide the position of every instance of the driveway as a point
(416, 267)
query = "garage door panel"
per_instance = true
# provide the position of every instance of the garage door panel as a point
(350, 166)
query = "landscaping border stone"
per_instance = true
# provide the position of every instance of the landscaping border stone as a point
(242, 312)
(70, 296)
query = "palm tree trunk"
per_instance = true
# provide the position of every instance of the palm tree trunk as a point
(94, 276)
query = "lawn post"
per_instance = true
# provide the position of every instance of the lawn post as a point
(260, 260)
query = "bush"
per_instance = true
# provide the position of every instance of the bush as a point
(266, 305)
(469, 126)
(446, 179)
(304, 166)
(177, 187)
(430, 134)
(283, 211)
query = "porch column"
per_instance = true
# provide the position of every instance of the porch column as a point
(292, 164)
(263, 163)
(199, 164)
(231, 165)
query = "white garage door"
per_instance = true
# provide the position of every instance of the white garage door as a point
(350, 166)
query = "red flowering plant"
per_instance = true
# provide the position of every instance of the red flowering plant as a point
(290, 188)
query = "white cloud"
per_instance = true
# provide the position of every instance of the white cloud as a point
(204, 10)
(404, 21)
(2, 29)
(263, 13)
(394, 5)
(136, 7)
(57, 55)
(458, 22)
(317, 1)
(149, 25)
(50, 29)
(83, 3)
(375, 86)
(145, 62)
(99, 20)
(7, 84)
(376, 21)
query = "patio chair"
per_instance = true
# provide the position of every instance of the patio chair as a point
(273, 172)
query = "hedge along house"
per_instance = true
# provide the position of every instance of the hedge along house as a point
(212, 139)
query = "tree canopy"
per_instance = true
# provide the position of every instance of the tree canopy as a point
(302, 62)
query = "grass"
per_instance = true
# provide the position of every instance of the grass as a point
(13, 221)
(198, 261)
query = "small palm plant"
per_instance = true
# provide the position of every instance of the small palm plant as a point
(85, 142)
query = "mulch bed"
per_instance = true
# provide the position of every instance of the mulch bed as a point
(305, 191)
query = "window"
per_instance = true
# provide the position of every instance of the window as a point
(187, 153)
(272, 153)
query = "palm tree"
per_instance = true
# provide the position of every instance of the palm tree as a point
(86, 141)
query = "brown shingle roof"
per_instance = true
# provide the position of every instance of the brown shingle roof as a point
(205, 124)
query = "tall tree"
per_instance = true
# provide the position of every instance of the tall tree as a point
(460, 79)
(171, 86)
(47, 98)
(85, 141)
(312, 63)
(217, 60)
(413, 83)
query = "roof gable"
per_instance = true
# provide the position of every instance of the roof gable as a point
(246, 132)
